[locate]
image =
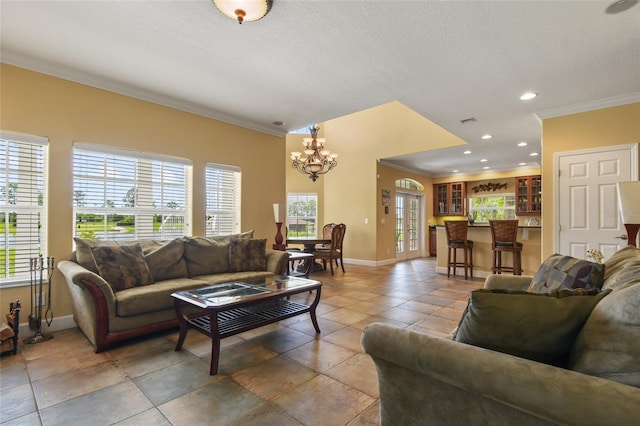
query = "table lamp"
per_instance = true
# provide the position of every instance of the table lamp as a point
(629, 202)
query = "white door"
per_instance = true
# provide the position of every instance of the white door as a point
(409, 227)
(587, 200)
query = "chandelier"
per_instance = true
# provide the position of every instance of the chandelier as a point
(318, 160)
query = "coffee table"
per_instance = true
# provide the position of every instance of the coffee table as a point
(227, 309)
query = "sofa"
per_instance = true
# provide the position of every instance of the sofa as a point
(444, 381)
(121, 290)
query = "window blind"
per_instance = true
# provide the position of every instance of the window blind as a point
(23, 206)
(122, 195)
(223, 191)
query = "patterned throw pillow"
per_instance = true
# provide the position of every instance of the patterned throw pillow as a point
(247, 255)
(122, 267)
(559, 271)
(84, 257)
(537, 326)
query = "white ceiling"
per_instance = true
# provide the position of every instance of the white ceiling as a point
(311, 61)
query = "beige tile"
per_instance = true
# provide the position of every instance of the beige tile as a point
(348, 337)
(241, 356)
(326, 326)
(359, 372)
(76, 383)
(152, 417)
(345, 316)
(265, 415)
(17, 403)
(283, 339)
(403, 315)
(324, 401)
(369, 417)
(273, 377)
(320, 355)
(151, 358)
(57, 362)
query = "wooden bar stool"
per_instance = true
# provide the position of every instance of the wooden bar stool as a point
(457, 239)
(504, 235)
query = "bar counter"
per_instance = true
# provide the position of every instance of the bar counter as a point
(529, 236)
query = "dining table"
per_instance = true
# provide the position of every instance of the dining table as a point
(309, 247)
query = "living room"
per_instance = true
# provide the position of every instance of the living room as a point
(68, 112)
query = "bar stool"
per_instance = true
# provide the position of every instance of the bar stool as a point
(504, 235)
(457, 239)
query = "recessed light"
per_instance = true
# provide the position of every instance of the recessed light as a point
(467, 152)
(455, 171)
(485, 168)
(487, 136)
(522, 164)
(278, 123)
(534, 154)
(522, 143)
(528, 96)
(484, 160)
(620, 6)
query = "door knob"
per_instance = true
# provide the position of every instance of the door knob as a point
(622, 237)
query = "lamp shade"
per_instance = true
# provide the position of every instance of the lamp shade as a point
(629, 201)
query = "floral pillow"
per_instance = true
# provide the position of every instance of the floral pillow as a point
(122, 267)
(559, 272)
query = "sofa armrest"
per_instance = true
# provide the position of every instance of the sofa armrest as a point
(512, 282)
(277, 261)
(430, 380)
(94, 302)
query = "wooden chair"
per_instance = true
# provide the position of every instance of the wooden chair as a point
(504, 235)
(326, 234)
(334, 252)
(456, 231)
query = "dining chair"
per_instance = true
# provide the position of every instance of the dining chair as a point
(326, 234)
(334, 252)
(504, 234)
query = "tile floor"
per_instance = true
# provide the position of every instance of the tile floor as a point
(282, 374)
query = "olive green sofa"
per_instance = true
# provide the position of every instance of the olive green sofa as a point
(112, 303)
(427, 380)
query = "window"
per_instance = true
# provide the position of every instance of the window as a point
(223, 188)
(492, 207)
(302, 215)
(125, 195)
(23, 205)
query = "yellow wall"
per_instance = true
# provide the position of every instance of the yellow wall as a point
(599, 128)
(65, 112)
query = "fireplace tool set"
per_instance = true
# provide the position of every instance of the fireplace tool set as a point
(39, 272)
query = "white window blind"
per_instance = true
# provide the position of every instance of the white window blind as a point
(223, 191)
(23, 206)
(126, 195)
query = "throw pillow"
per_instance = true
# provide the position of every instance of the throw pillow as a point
(558, 272)
(122, 267)
(247, 255)
(84, 257)
(537, 326)
(205, 256)
(167, 261)
(617, 261)
(608, 345)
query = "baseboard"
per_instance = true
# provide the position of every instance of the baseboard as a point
(460, 272)
(60, 323)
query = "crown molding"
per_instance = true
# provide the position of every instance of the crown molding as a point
(614, 101)
(88, 79)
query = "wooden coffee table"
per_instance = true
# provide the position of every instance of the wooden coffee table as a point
(235, 307)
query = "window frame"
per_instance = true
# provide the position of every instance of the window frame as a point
(229, 196)
(314, 218)
(37, 184)
(153, 176)
(511, 208)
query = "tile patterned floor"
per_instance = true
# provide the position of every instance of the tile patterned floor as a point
(282, 374)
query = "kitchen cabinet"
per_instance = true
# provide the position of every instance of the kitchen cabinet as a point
(529, 195)
(450, 199)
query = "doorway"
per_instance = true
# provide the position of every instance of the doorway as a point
(587, 199)
(409, 226)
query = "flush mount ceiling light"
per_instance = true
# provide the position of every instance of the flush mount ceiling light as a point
(620, 6)
(244, 10)
(484, 160)
(534, 154)
(528, 96)
(467, 152)
(486, 136)
(522, 144)
(522, 164)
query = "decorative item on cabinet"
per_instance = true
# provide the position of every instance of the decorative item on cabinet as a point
(529, 195)
(450, 199)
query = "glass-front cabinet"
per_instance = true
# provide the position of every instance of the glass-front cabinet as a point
(450, 199)
(529, 195)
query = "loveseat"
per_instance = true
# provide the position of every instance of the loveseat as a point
(441, 381)
(123, 290)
